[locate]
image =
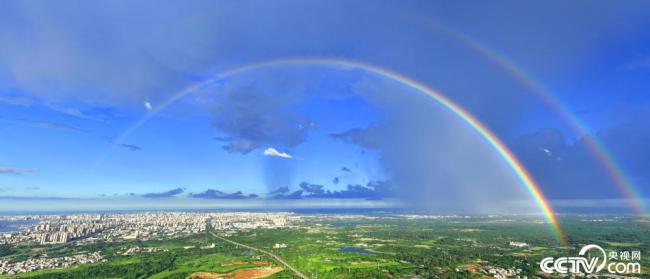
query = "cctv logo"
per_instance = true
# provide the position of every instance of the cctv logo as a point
(596, 262)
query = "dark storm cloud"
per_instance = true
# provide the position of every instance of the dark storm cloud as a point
(364, 137)
(311, 189)
(354, 192)
(569, 169)
(563, 169)
(216, 194)
(374, 190)
(281, 190)
(629, 142)
(45, 124)
(431, 156)
(293, 196)
(167, 194)
(252, 119)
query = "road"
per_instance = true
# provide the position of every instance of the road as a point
(276, 257)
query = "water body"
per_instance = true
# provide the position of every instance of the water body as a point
(14, 226)
(358, 251)
(294, 210)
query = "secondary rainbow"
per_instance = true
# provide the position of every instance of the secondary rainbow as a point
(597, 149)
(525, 178)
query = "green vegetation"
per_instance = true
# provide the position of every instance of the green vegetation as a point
(387, 247)
(6, 250)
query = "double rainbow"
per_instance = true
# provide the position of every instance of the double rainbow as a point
(450, 105)
(607, 161)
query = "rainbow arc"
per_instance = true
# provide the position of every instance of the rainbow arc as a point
(497, 145)
(607, 161)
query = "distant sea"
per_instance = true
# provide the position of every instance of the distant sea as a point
(295, 210)
(13, 226)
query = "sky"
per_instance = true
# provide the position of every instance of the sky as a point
(86, 116)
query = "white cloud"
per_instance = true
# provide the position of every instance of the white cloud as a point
(273, 152)
(10, 170)
(148, 105)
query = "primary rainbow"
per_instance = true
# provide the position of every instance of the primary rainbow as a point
(597, 149)
(456, 109)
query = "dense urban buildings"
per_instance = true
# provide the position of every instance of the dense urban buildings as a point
(52, 229)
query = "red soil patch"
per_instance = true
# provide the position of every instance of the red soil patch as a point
(249, 273)
(243, 262)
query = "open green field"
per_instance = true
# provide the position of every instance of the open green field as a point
(363, 247)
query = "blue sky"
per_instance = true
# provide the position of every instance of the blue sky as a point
(75, 76)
